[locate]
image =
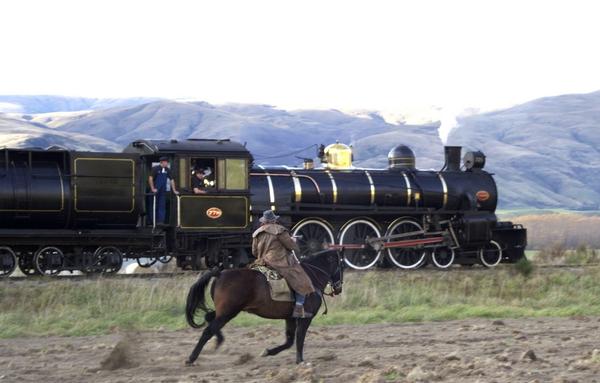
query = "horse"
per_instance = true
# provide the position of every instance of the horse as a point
(237, 290)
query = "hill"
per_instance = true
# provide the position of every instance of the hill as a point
(274, 136)
(47, 104)
(546, 153)
(16, 133)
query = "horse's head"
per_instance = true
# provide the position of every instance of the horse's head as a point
(331, 263)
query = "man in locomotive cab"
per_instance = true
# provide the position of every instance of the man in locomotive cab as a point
(161, 182)
(199, 183)
(272, 246)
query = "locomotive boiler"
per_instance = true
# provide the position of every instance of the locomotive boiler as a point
(399, 215)
(63, 210)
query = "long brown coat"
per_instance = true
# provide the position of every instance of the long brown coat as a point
(272, 246)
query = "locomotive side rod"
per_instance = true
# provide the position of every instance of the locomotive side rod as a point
(387, 245)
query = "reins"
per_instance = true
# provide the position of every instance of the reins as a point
(311, 268)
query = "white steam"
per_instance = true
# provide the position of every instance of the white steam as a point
(448, 122)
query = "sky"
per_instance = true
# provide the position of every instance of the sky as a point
(385, 55)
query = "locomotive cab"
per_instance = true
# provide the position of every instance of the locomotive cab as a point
(224, 203)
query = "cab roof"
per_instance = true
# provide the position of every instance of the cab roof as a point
(188, 146)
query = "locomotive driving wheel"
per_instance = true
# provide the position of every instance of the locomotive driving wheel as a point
(8, 261)
(312, 236)
(109, 259)
(442, 257)
(48, 260)
(357, 232)
(491, 254)
(402, 257)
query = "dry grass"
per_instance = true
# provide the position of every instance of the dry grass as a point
(568, 230)
(558, 254)
(103, 306)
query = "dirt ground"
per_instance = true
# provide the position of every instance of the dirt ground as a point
(523, 350)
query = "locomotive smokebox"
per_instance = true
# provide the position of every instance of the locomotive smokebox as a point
(401, 157)
(452, 156)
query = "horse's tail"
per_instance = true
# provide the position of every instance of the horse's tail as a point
(196, 299)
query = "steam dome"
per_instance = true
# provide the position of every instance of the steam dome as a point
(401, 157)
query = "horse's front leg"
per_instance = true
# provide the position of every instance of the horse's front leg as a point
(290, 331)
(302, 328)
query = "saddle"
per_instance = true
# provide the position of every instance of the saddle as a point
(280, 290)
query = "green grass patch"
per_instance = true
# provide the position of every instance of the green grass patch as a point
(103, 306)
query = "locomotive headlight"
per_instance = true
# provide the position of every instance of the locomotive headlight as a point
(474, 160)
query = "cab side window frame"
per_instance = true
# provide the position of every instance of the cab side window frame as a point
(233, 174)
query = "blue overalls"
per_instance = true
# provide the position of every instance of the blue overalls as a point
(161, 184)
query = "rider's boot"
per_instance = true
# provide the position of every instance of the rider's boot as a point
(299, 311)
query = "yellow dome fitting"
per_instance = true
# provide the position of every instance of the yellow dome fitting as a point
(338, 156)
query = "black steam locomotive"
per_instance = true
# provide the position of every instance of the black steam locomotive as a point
(66, 210)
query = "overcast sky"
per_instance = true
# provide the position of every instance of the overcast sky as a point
(303, 54)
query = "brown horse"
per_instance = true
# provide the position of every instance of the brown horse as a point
(237, 290)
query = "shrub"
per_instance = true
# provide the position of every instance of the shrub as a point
(524, 267)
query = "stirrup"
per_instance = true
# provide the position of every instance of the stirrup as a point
(300, 313)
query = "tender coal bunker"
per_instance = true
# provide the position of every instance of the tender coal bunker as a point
(104, 184)
(34, 190)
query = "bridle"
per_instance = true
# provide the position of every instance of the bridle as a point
(336, 285)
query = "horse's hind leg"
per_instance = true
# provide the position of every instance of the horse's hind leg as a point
(220, 338)
(214, 328)
(290, 331)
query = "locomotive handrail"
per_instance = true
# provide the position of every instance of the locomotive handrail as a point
(154, 211)
(178, 210)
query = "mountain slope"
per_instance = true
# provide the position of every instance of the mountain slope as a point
(22, 134)
(546, 153)
(46, 104)
(271, 134)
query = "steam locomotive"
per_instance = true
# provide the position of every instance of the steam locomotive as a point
(63, 210)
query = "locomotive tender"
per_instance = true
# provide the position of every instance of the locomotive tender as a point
(68, 210)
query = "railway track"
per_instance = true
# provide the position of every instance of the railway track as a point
(68, 277)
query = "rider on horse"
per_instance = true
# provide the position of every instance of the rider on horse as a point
(272, 246)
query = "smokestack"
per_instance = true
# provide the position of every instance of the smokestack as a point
(452, 155)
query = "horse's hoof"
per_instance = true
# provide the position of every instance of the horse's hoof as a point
(189, 363)
(264, 353)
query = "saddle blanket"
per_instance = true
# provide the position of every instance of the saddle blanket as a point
(280, 290)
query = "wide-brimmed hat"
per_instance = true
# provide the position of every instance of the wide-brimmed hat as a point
(201, 170)
(268, 217)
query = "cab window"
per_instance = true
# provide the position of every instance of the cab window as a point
(233, 173)
(207, 165)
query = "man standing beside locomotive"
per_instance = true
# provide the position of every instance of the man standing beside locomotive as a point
(160, 181)
(272, 246)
